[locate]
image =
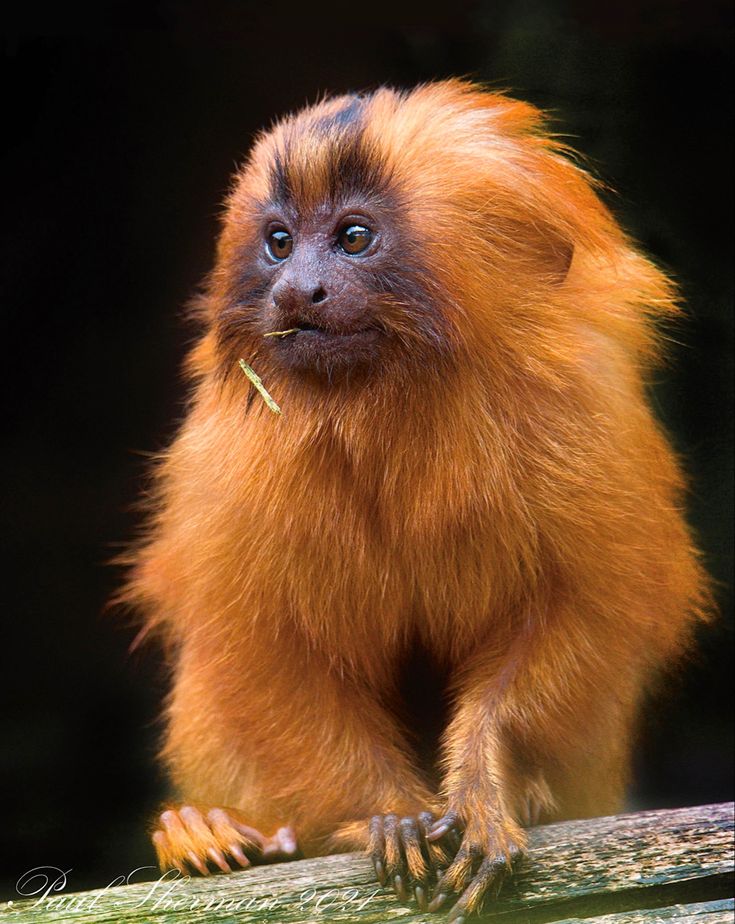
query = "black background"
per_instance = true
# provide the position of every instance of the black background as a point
(123, 125)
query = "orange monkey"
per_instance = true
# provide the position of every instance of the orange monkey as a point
(466, 482)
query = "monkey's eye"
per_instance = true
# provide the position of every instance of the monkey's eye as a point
(354, 238)
(279, 244)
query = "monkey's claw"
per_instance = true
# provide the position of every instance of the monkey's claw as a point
(402, 855)
(478, 870)
(194, 839)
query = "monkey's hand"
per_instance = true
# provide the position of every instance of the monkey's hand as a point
(189, 838)
(404, 857)
(485, 857)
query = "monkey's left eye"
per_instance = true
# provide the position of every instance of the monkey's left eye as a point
(279, 244)
(354, 239)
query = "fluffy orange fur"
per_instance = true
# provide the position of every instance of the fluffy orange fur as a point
(512, 506)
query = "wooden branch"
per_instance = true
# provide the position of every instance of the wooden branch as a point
(716, 912)
(662, 866)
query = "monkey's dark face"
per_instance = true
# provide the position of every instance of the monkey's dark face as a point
(322, 307)
(322, 272)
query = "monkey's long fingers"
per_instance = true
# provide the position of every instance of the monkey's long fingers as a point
(457, 876)
(376, 846)
(167, 858)
(202, 834)
(486, 882)
(394, 863)
(441, 850)
(181, 842)
(443, 825)
(230, 836)
(251, 835)
(416, 863)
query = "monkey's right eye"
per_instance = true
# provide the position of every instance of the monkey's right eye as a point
(279, 244)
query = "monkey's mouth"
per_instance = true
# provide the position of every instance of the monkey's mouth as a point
(307, 345)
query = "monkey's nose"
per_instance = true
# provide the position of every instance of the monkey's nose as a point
(294, 297)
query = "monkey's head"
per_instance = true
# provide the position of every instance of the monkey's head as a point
(392, 233)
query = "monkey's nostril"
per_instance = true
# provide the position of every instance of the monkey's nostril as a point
(318, 296)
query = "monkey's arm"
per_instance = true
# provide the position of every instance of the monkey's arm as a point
(280, 738)
(542, 734)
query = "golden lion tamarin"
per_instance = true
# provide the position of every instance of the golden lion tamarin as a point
(466, 494)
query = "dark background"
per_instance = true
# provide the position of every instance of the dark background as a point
(123, 126)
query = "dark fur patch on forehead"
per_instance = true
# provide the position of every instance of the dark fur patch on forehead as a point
(350, 114)
(279, 180)
(330, 152)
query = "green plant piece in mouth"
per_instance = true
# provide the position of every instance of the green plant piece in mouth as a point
(255, 379)
(282, 333)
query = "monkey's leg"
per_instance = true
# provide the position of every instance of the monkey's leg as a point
(552, 698)
(243, 736)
